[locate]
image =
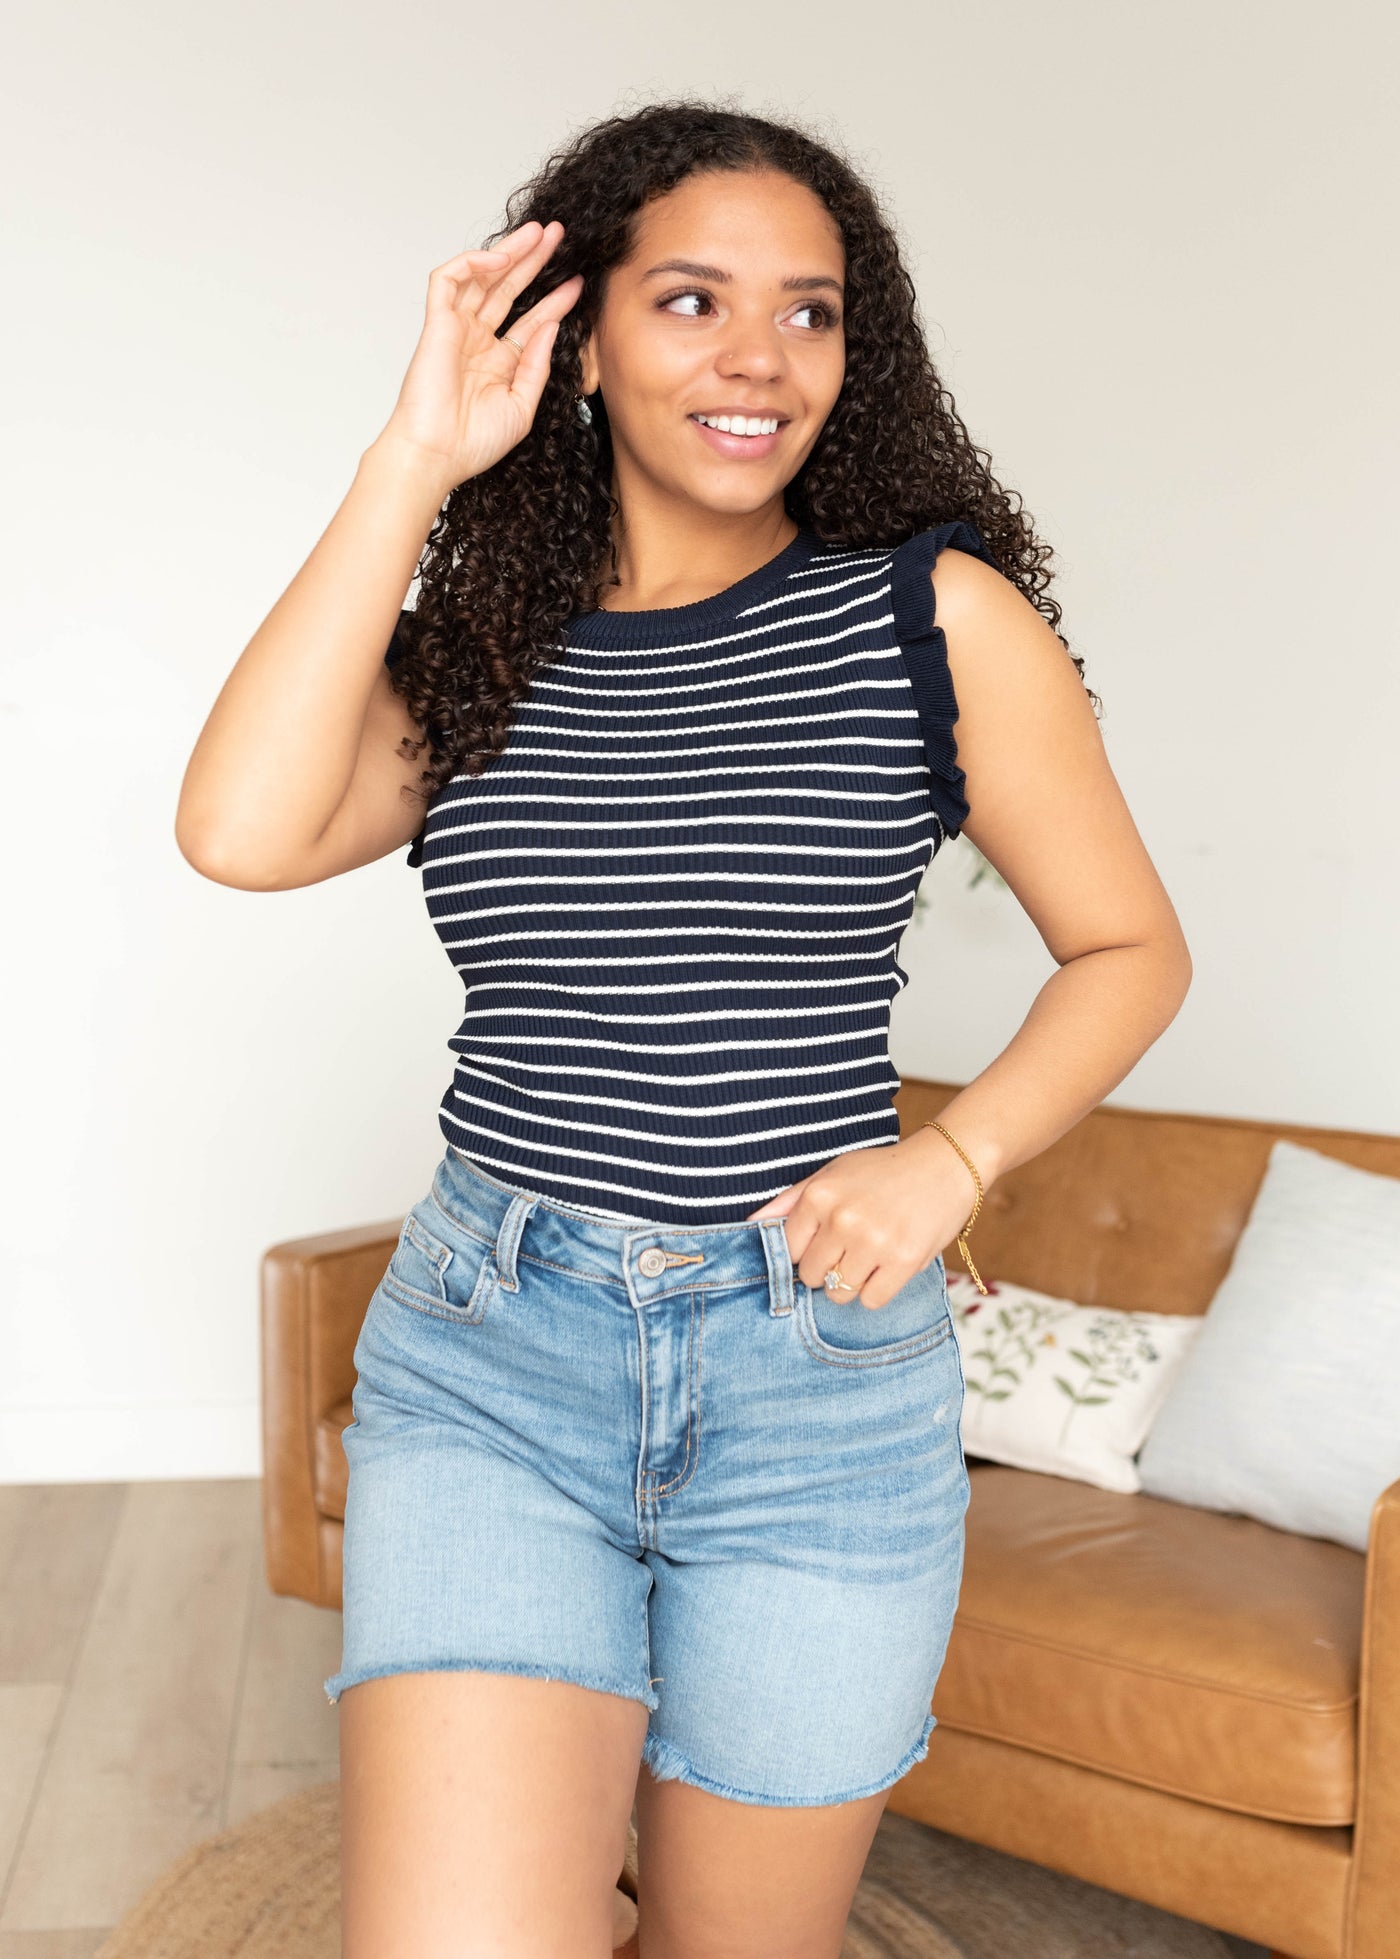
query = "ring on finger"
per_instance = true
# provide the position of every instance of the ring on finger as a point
(834, 1282)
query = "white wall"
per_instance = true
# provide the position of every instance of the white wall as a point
(1151, 244)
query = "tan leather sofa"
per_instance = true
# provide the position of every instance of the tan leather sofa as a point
(1185, 1707)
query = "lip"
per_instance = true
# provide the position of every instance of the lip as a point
(741, 448)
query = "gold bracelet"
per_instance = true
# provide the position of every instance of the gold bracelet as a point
(962, 1235)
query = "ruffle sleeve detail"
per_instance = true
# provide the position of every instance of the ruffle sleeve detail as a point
(391, 660)
(926, 659)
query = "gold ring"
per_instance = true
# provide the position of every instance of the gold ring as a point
(833, 1281)
(514, 343)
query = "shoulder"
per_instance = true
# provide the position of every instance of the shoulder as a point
(996, 689)
(938, 575)
(989, 634)
(949, 556)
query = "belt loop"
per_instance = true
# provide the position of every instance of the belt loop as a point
(508, 1237)
(781, 1298)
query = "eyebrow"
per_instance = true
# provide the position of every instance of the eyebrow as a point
(717, 276)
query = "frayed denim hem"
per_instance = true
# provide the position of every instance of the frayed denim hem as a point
(336, 1685)
(668, 1764)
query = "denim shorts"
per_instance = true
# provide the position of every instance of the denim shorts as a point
(651, 1461)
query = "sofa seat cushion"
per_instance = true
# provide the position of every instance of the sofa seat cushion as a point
(1205, 1655)
(332, 1470)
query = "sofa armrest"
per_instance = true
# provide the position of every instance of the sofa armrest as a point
(1375, 1860)
(315, 1292)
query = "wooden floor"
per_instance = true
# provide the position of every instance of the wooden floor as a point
(152, 1691)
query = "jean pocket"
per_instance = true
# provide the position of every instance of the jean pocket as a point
(918, 1319)
(450, 1278)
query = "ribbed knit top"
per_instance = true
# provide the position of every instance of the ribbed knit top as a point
(676, 899)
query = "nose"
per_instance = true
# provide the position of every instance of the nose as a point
(754, 352)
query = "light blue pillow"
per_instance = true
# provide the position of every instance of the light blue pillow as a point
(1287, 1408)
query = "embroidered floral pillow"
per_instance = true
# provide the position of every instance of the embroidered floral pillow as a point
(1069, 1390)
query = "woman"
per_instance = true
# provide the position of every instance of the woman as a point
(656, 1483)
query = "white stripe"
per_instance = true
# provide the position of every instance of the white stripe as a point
(524, 983)
(709, 669)
(811, 592)
(880, 1061)
(762, 635)
(656, 932)
(660, 904)
(851, 736)
(660, 854)
(829, 720)
(829, 1038)
(874, 823)
(722, 703)
(539, 1012)
(835, 558)
(659, 1142)
(671, 1139)
(666, 904)
(483, 809)
(749, 768)
(754, 1196)
(591, 1101)
(865, 572)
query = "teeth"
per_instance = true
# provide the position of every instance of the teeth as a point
(740, 424)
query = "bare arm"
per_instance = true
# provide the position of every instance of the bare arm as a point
(296, 775)
(1047, 812)
(298, 772)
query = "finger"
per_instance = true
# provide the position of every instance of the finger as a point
(475, 289)
(823, 1255)
(509, 281)
(799, 1230)
(879, 1287)
(532, 369)
(460, 280)
(473, 269)
(510, 247)
(856, 1269)
(858, 1279)
(466, 267)
(518, 239)
(553, 306)
(460, 259)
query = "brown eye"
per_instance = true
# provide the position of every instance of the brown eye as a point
(689, 293)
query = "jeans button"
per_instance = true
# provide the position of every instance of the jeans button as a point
(652, 1262)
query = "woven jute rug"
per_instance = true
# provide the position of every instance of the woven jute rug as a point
(269, 1889)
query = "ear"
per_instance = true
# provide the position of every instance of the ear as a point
(588, 367)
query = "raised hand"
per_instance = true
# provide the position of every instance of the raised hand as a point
(469, 396)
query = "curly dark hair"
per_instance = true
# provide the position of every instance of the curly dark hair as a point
(515, 552)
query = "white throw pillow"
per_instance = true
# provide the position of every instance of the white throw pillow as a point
(1288, 1408)
(1068, 1390)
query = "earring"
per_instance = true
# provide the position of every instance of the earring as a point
(585, 413)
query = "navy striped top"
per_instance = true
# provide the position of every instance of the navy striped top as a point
(676, 899)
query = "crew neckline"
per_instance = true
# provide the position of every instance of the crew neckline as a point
(667, 624)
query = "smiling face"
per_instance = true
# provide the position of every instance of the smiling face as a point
(730, 305)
